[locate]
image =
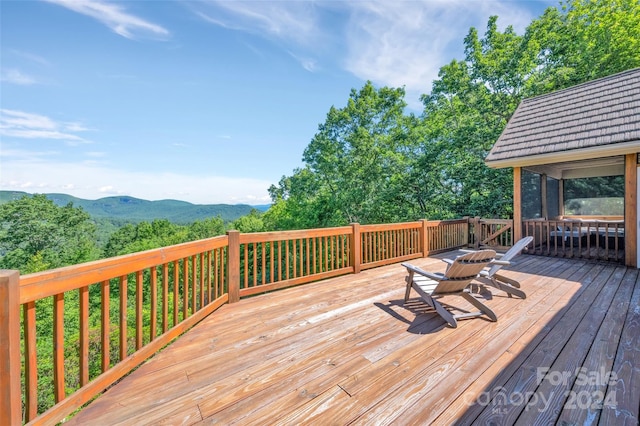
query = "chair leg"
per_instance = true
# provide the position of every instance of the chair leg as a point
(506, 287)
(446, 315)
(409, 280)
(511, 291)
(507, 280)
(483, 308)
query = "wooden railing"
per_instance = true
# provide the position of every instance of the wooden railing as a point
(588, 239)
(491, 233)
(274, 260)
(136, 304)
(385, 244)
(173, 287)
(444, 235)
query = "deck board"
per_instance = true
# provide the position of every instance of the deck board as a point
(347, 350)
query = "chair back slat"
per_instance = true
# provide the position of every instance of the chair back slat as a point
(463, 270)
(511, 253)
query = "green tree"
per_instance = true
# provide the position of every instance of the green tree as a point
(36, 234)
(585, 40)
(251, 222)
(206, 228)
(357, 151)
(464, 114)
(145, 236)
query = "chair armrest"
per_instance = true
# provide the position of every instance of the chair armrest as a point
(434, 276)
(449, 261)
(500, 262)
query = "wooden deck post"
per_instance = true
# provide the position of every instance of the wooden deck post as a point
(233, 273)
(356, 248)
(10, 393)
(517, 203)
(630, 210)
(424, 240)
(477, 232)
(466, 230)
(544, 208)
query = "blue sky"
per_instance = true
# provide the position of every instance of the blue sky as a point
(207, 101)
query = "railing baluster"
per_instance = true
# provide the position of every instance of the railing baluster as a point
(246, 266)
(31, 361)
(287, 257)
(84, 335)
(58, 347)
(255, 264)
(105, 325)
(194, 284)
(139, 279)
(123, 317)
(185, 288)
(202, 279)
(209, 277)
(176, 291)
(264, 262)
(216, 269)
(165, 297)
(154, 305)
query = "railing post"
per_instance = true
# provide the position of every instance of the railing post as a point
(424, 240)
(233, 274)
(477, 232)
(356, 247)
(465, 237)
(10, 394)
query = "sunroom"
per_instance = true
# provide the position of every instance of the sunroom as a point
(574, 155)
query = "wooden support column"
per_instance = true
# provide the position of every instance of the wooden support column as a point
(424, 241)
(466, 232)
(356, 247)
(233, 263)
(544, 206)
(561, 197)
(10, 364)
(630, 210)
(517, 203)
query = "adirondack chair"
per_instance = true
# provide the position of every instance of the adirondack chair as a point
(491, 277)
(460, 272)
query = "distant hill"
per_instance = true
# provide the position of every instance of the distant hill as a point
(132, 209)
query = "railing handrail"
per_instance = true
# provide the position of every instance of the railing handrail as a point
(291, 255)
(43, 284)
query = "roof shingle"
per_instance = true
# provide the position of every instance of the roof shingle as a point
(596, 113)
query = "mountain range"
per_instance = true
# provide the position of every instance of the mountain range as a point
(132, 209)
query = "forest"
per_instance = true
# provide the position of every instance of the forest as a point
(371, 161)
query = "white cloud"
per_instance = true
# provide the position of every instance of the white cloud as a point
(31, 57)
(25, 125)
(75, 127)
(392, 43)
(405, 43)
(22, 171)
(19, 119)
(15, 76)
(294, 23)
(289, 20)
(115, 17)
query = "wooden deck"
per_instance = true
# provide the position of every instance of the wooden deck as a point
(348, 351)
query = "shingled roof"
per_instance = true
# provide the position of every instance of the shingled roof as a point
(591, 120)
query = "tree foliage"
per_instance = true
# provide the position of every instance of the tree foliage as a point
(371, 162)
(36, 234)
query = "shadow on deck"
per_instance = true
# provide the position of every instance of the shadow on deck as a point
(348, 350)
